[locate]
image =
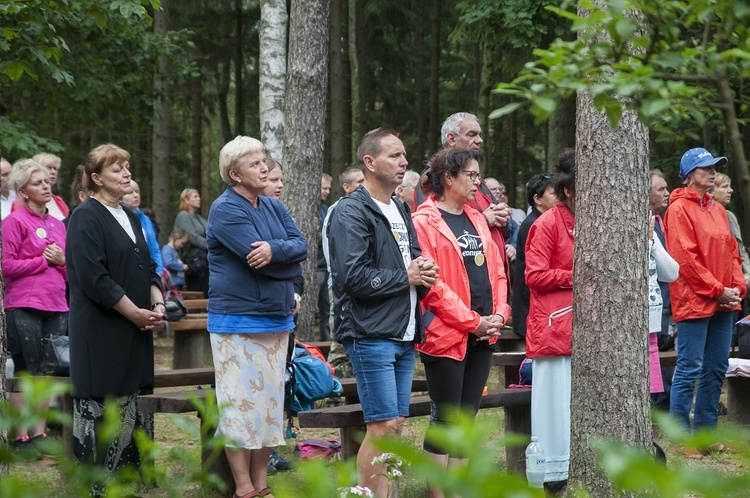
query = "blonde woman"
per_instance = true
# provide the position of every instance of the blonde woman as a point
(195, 255)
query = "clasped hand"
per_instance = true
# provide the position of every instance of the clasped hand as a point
(489, 326)
(730, 298)
(54, 254)
(423, 271)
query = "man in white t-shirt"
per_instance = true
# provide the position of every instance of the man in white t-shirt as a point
(377, 272)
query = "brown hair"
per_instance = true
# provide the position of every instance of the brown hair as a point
(370, 143)
(99, 158)
(447, 162)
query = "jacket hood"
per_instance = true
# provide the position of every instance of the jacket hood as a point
(692, 195)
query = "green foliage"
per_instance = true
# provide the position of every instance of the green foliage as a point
(79, 478)
(661, 59)
(32, 43)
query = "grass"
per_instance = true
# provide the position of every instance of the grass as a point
(176, 434)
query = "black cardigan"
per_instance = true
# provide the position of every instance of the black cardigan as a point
(109, 355)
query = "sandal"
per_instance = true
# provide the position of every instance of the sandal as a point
(251, 494)
(265, 492)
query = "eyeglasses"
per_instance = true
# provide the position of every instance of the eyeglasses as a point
(473, 175)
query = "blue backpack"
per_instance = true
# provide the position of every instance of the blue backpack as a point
(313, 381)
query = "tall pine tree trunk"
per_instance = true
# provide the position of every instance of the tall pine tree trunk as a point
(358, 72)
(304, 135)
(561, 130)
(338, 102)
(435, 78)
(160, 183)
(273, 24)
(196, 123)
(610, 379)
(421, 78)
(239, 63)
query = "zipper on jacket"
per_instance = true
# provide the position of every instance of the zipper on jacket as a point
(559, 313)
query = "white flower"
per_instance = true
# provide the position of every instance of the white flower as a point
(356, 490)
(396, 473)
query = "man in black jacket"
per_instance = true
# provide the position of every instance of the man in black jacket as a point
(376, 270)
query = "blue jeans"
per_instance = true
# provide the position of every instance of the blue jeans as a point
(702, 351)
(383, 370)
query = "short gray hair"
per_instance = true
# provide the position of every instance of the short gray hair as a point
(233, 152)
(651, 174)
(452, 124)
(411, 178)
(22, 171)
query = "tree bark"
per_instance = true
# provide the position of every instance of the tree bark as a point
(739, 163)
(435, 78)
(160, 179)
(196, 122)
(357, 64)
(421, 78)
(338, 102)
(239, 62)
(484, 97)
(610, 380)
(561, 130)
(273, 24)
(304, 134)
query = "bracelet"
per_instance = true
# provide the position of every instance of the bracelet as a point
(153, 306)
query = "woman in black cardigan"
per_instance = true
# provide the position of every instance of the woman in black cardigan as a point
(115, 300)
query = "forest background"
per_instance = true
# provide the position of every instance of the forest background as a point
(405, 65)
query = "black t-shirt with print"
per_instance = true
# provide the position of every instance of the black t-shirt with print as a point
(474, 261)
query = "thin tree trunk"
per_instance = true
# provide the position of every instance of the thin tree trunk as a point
(358, 71)
(435, 76)
(196, 122)
(273, 25)
(304, 137)
(160, 179)
(205, 171)
(239, 62)
(223, 97)
(421, 78)
(485, 93)
(561, 130)
(338, 103)
(739, 162)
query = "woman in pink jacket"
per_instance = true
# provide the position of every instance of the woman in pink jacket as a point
(35, 275)
(464, 310)
(549, 326)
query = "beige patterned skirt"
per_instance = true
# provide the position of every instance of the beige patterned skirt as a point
(250, 388)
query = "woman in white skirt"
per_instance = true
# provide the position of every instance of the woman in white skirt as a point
(549, 326)
(254, 251)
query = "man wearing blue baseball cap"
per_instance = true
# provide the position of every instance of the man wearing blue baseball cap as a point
(699, 158)
(705, 295)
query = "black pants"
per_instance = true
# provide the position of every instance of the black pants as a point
(26, 329)
(324, 305)
(455, 385)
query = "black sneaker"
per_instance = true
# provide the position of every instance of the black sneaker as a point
(279, 463)
(25, 450)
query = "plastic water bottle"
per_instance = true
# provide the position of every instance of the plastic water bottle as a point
(535, 464)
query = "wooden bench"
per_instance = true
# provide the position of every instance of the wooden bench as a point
(186, 294)
(196, 305)
(349, 418)
(191, 342)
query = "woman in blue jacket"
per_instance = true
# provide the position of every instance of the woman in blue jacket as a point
(254, 251)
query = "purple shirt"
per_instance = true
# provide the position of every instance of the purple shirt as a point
(30, 280)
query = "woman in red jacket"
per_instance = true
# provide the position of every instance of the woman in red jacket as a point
(466, 307)
(549, 326)
(706, 293)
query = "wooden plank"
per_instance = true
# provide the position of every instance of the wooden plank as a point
(514, 358)
(177, 402)
(196, 305)
(349, 385)
(186, 294)
(184, 377)
(198, 323)
(351, 415)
